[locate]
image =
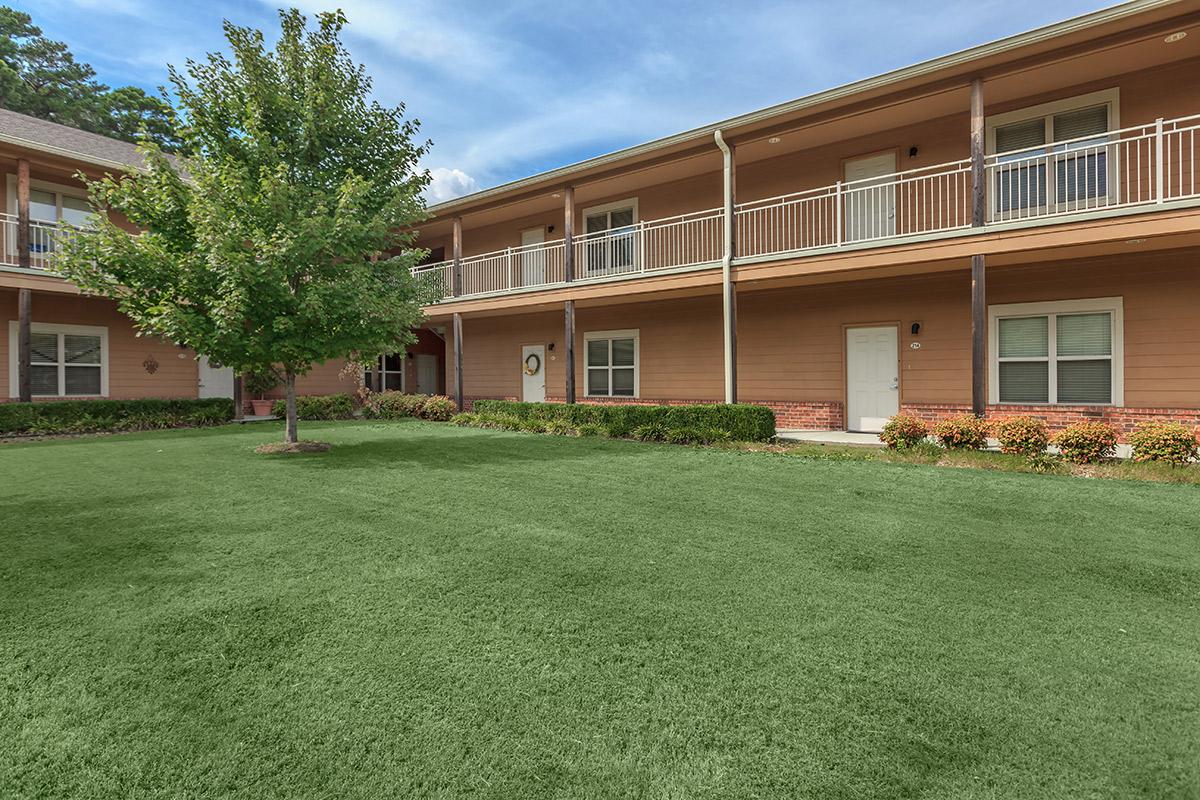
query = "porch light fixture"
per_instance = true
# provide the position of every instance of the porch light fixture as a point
(1135, 241)
(1175, 37)
(774, 140)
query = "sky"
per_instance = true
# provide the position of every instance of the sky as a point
(508, 88)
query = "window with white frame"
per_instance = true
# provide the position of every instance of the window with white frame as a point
(611, 363)
(65, 360)
(1067, 352)
(390, 368)
(610, 244)
(1053, 154)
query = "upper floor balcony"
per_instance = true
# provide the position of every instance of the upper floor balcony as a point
(1127, 170)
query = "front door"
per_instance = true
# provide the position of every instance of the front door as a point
(427, 373)
(533, 373)
(872, 378)
(533, 257)
(214, 381)
(869, 197)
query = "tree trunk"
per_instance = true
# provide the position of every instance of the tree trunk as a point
(289, 382)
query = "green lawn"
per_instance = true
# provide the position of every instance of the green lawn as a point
(429, 611)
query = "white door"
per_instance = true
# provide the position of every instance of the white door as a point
(533, 258)
(427, 373)
(214, 381)
(533, 373)
(869, 197)
(872, 378)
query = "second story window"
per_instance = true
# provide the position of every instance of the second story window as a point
(610, 245)
(1055, 156)
(50, 205)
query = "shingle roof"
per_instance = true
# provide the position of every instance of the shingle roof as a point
(50, 137)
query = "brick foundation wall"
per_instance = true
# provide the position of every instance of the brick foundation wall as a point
(1057, 417)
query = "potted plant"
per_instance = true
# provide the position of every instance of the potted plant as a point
(257, 382)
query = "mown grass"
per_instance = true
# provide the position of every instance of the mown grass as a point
(430, 611)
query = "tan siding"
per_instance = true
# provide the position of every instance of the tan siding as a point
(175, 376)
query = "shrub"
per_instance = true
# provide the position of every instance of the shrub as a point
(680, 436)
(962, 432)
(438, 408)
(465, 419)
(1086, 442)
(318, 406)
(81, 416)
(257, 382)
(531, 425)
(904, 431)
(1044, 462)
(1025, 436)
(592, 429)
(743, 422)
(1163, 441)
(560, 427)
(394, 405)
(650, 432)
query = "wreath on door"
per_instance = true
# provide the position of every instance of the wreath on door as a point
(533, 364)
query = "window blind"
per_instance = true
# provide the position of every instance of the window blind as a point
(1020, 135)
(1084, 335)
(1084, 122)
(1024, 337)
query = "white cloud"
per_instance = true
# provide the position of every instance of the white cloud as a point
(448, 184)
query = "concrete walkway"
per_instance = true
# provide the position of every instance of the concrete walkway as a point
(830, 437)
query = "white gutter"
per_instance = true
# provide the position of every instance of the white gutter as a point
(727, 310)
(920, 69)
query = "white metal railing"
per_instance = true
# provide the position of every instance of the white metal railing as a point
(44, 238)
(1148, 164)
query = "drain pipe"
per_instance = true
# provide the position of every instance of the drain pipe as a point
(728, 302)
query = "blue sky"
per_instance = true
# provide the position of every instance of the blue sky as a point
(508, 88)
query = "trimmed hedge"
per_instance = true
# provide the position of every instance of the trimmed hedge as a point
(318, 406)
(88, 416)
(742, 422)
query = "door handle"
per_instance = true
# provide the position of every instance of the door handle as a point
(895, 384)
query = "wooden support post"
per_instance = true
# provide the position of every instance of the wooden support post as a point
(978, 194)
(458, 362)
(978, 266)
(569, 234)
(569, 337)
(24, 345)
(24, 296)
(23, 213)
(978, 332)
(457, 276)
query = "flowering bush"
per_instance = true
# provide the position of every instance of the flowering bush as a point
(1026, 436)
(1163, 441)
(963, 432)
(1086, 442)
(903, 431)
(438, 408)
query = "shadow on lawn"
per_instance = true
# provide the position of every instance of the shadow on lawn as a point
(449, 453)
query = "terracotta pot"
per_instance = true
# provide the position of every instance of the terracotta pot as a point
(262, 408)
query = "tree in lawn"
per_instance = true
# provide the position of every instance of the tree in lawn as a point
(268, 246)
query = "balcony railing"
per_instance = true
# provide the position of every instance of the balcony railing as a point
(1139, 166)
(44, 238)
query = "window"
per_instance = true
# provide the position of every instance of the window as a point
(1055, 153)
(610, 244)
(611, 363)
(390, 368)
(1066, 352)
(66, 361)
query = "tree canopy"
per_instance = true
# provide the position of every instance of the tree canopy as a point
(284, 238)
(40, 77)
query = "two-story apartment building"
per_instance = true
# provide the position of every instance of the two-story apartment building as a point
(1012, 228)
(78, 347)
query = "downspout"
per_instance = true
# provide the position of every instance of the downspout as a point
(726, 277)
